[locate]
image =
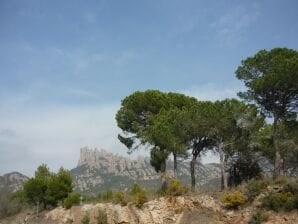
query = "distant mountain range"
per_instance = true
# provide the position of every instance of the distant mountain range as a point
(98, 170)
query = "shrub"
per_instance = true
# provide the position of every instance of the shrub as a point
(135, 188)
(233, 200)
(291, 186)
(85, 219)
(71, 200)
(278, 201)
(176, 189)
(254, 188)
(178, 210)
(101, 217)
(259, 217)
(140, 198)
(120, 198)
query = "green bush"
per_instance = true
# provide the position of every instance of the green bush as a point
(85, 219)
(140, 198)
(254, 188)
(101, 217)
(259, 217)
(291, 186)
(280, 201)
(135, 188)
(71, 200)
(120, 198)
(233, 200)
(176, 189)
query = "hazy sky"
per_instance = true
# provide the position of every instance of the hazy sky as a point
(66, 65)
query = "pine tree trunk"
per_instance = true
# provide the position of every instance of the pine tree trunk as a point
(224, 176)
(277, 163)
(192, 172)
(163, 175)
(175, 166)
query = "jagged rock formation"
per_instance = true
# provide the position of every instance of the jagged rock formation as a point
(98, 170)
(12, 182)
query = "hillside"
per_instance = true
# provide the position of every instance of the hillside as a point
(12, 182)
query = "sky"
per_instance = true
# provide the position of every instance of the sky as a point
(66, 65)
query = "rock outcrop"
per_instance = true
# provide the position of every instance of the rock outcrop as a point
(12, 182)
(98, 170)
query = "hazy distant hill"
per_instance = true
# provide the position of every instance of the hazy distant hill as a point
(98, 170)
(12, 182)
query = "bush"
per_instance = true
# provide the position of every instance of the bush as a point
(120, 198)
(176, 189)
(135, 188)
(280, 201)
(71, 200)
(140, 198)
(101, 217)
(85, 219)
(259, 217)
(254, 188)
(233, 200)
(11, 203)
(291, 186)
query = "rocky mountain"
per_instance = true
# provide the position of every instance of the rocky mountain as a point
(98, 170)
(12, 182)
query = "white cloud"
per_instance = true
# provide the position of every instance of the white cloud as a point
(212, 91)
(231, 27)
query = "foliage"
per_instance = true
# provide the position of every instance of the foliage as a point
(176, 189)
(272, 81)
(280, 201)
(291, 186)
(120, 198)
(101, 217)
(140, 198)
(85, 219)
(254, 188)
(259, 217)
(71, 200)
(48, 188)
(233, 200)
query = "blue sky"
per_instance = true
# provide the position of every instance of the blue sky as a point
(66, 65)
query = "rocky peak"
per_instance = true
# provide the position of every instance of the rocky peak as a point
(12, 182)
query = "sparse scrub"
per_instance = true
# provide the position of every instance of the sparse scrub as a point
(233, 200)
(176, 189)
(71, 200)
(259, 217)
(120, 198)
(178, 210)
(254, 188)
(140, 198)
(281, 201)
(107, 195)
(101, 217)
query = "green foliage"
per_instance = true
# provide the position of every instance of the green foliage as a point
(254, 188)
(233, 200)
(291, 186)
(71, 200)
(176, 189)
(85, 219)
(259, 217)
(120, 198)
(101, 217)
(48, 188)
(178, 210)
(278, 201)
(140, 198)
(135, 188)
